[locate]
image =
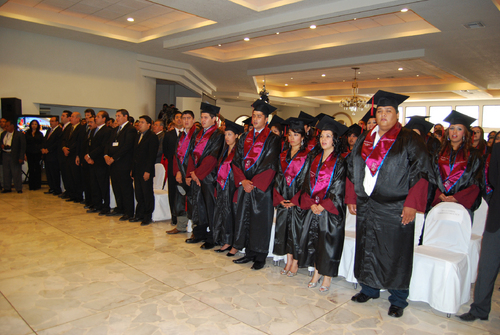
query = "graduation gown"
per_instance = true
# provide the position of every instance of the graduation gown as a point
(466, 189)
(384, 246)
(254, 214)
(287, 186)
(225, 208)
(322, 239)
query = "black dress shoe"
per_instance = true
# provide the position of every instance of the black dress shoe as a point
(243, 260)
(361, 297)
(114, 213)
(470, 317)
(57, 193)
(92, 210)
(195, 240)
(88, 206)
(145, 222)
(229, 254)
(64, 195)
(6, 191)
(207, 246)
(19, 191)
(80, 201)
(104, 212)
(69, 199)
(395, 311)
(134, 219)
(49, 192)
(125, 218)
(258, 265)
(223, 250)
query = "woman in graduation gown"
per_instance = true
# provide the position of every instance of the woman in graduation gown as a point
(225, 188)
(459, 166)
(322, 197)
(288, 183)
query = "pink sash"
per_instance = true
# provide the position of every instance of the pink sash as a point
(251, 150)
(451, 172)
(201, 142)
(312, 143)
(486, 170)
(374, 157)
(225, 169)
(321, 177)
(183, 145)
(292, 170)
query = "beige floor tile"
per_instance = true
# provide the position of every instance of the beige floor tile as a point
(10, 321)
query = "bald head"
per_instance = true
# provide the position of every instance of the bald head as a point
(75, 118)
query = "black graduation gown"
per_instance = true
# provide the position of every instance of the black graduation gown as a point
(384, 246)
(473, 175)
(254, 214)
(322, 239)
(183, 201)
(288, 228)
(225, 208)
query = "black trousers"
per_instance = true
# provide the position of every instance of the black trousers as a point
(75, 187)
(34, 170)
(53, 175)
(123, 190)
(172, 194)
(87, 184)
(63, 168)
(145, 197)
(99, 178)
(203, 210)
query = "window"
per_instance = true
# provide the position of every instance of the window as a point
(491, 117)
(472, 111)
(415, 111)
(438, 113)
(401, 116)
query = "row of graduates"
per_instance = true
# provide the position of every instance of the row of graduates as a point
(389, 176)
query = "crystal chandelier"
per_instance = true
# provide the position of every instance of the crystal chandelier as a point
(355, 102)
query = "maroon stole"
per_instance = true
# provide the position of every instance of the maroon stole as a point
(321, 176)
(251, 150)
(451, 172)
(374, 157)
(489, 189)
(201, 142)
(312, 143)
(183, 145)
(225, 169)
(292, 170)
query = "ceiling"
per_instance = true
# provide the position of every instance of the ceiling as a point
(426, 52)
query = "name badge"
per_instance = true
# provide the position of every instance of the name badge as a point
(115, 144)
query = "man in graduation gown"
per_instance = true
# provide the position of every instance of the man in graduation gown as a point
(421, 126)
(201, 175)
(255, 164)
(389, 168)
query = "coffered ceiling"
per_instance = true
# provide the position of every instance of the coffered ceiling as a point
(428, 49)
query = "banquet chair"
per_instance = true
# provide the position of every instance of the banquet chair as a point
(441, 273)
(162, 206)
(477, 236)
(346, 265)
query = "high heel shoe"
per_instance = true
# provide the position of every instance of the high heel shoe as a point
(222, 250)
(324, 289)
(313, 285)
(291, 274)
(283, 272)
(229, 254)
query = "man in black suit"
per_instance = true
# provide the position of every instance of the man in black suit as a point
(89, 127)
(489, 260)
(13, 144)
(71, 151)
(118, 155)
(159, 129)
(169, 147)
(61, 158)
(50, 151)
(143, 171)
(99, 172)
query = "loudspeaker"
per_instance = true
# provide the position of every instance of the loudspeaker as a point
(11, 108)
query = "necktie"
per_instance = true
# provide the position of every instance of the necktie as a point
(140, 138)
(50, 133)
(71, 130)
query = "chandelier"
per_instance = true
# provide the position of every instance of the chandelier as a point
(355, 102)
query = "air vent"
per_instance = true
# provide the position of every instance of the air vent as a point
(474, 25)
(44, 110)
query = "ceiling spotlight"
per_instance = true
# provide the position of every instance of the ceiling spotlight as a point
(220, 45)
(404, 10)
(355, 19)
(323, 75)
(277, 33)
(378, 78)
(418, 75)
(246, 39)
(291, 78)
(312, 26)
(400, 69)
(130, 19)
(286, 84)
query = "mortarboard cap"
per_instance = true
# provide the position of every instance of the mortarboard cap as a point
(210, 109)
(355, 129)
(383, 99)
(296, 123)
(275, 120)
(328, 123)
(368, 116)
(419, 122)
(458, 118)
(262, 105)
(321, 115)
(248, 121)
(234, 127)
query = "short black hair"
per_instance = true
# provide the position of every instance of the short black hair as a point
(147, 118)
(188, 112)
(105, 114)
(161, 122)
(56, 116)
(124, 112)
(90, 110)
(67, 113)
(131, 119)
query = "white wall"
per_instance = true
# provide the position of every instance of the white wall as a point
(229, 111)
(40, 69)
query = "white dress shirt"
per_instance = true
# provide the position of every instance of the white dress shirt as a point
(370, 181)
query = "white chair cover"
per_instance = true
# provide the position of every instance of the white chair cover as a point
(346, 265)
(441, 266)
(419, 225)
(276, 258)
(112, 200)
(162, 206)
(476, 238)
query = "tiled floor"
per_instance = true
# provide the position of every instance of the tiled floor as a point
(63, 271)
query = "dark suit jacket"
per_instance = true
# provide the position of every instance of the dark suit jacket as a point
(121, 152)
(169, 147)
(75, 139)
(493, 221)
(63, 141)
(18, 145)
(98, 144)
(160, 136)
(145, 154)
(52, 144)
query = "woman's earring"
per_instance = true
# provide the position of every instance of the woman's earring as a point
(448, 138)
(463, 138)
(302, 142)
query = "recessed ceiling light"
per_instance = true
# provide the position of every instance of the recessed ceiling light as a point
(404, 10)
(418, 75)
(286, 84)
(323, 75)
(343, 81)
(220, 45)
(400, 69)
(277, 33)
(359, 72)
(263, 80)
(130, 19)
(246, 39)
(355, 19)
(312, 26)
